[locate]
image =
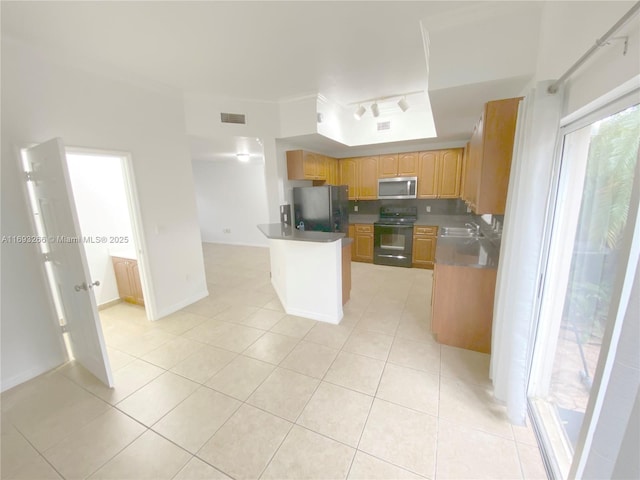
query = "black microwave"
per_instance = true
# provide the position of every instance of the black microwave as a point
(397, 187)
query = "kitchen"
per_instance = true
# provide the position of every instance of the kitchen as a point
(173, 137)
(400, 185)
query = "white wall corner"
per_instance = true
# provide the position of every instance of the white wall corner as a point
(161, 313)
(298, 116)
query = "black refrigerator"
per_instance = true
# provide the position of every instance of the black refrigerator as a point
(322, 209)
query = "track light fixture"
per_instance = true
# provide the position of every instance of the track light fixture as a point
(375, 110)
(403, 104)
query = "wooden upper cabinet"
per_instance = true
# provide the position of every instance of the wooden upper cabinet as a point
(321, 167)
(309, 164)
(408, 164)
(304, 165)
(463, 176)
(367, 178)
(398, 165)
(489, 159)
(332, 171)
(472, 172)
(428, 174)
(439, 173)
(449, 173)
(349, 176)
(388, 166)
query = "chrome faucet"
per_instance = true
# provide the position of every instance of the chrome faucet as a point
(475, 227)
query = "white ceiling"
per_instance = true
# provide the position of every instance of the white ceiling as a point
(271, 51)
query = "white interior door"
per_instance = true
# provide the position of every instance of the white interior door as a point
(51, 194)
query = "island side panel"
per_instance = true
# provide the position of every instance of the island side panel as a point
(464, 324)
(307, 277)
(346, 272)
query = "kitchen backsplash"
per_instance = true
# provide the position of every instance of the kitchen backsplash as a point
(453, 206)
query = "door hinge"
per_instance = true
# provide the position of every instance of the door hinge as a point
(29, 176)
(64, 328)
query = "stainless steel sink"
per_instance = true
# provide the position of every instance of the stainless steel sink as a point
(460, 232)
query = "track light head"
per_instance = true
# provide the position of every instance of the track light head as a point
(359, 112)
(403, 104)
(375, 110)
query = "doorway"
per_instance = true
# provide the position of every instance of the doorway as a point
(107, 222)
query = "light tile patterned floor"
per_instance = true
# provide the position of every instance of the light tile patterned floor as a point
(232, 387)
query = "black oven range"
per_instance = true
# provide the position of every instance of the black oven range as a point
(393, 236)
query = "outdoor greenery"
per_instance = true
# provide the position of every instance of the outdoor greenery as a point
(613, 155)
(611, 163)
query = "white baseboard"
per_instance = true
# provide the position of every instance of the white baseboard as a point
(112, 303)
(27, 375)
(239, 244)
(180, 305)
(313, 315)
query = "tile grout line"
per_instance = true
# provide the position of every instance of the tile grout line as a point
(375, 395)
(40, 454)
(340, 350)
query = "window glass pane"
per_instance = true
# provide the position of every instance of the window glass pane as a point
(611, 149)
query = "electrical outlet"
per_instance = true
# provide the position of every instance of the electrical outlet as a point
(428, 208)
(355, 208)
(226, 230)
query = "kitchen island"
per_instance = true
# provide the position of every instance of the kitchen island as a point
(310, 271)
(464, 268)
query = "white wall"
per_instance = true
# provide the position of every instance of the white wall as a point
(568, 30)
(298, 117)
(101, 203)
(231, 195)
(202, 117)
(42, 100)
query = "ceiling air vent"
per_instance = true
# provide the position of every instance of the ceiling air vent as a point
(382, 126)
(233, 118)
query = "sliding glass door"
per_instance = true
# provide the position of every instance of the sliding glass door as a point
(586, 258)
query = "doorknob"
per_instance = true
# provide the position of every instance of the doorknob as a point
(84, 286)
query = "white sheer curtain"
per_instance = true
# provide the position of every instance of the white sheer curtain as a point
(522, 245)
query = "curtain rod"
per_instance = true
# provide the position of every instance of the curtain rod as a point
(553, 88)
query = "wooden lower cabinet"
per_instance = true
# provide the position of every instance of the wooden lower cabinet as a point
(363, 243)
(462, 306)
(128, 280)
(424, 246)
